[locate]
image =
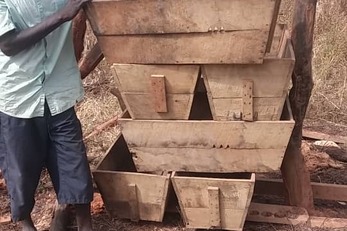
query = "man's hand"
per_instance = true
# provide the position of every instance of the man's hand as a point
(16, 41)
(72, 8)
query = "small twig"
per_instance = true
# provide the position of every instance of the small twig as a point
(102, 127)
(327, 99)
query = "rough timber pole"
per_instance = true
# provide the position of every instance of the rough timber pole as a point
(294, 171)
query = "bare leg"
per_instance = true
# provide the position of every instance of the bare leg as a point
(83, 217)
(28, 225)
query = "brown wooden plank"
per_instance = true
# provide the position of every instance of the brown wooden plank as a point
(180, 79)
(140, 106)
(320, 190)
(115, 190)
(213, 197)
(211, 160)
(180, 16)
(273, 25)
(206, 134)
(192, 193)
(265, 109)
(228, 47)
(322, 136)
(277, 214)
(133, 203)
(271, 79)
(247, 101)
(159, 93)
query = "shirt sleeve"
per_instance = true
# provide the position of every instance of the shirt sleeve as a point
(6, 23)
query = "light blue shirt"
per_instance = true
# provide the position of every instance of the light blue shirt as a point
(46, 71)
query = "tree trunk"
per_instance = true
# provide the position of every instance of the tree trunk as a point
(295, 174)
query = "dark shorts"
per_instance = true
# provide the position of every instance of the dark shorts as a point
(54, 142)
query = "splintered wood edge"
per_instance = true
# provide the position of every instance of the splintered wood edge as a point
(158, 92)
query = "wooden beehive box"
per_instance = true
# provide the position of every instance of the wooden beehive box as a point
(127, 193)
(183, 31)
(157, 91)
(251, 92)
(211, 200)
(208, 146)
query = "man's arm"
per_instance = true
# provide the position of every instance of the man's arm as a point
(14, 42)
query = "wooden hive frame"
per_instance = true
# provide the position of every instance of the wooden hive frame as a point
(184, 31)
(252, 92)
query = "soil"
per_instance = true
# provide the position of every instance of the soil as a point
(323, 167)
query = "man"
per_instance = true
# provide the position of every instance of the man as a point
(39, 86)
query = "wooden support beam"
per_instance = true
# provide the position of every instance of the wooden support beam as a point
(322, 136)
(90, 61)
(213, 196)
(295, 174)
(159, 93)
(321, 191)
(134, 204)
(247, 100)
(277, 214)
(79, 27)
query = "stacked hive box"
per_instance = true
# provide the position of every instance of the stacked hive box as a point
(166, 54)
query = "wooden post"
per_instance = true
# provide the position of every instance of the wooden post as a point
(295, 174)
(79, 27)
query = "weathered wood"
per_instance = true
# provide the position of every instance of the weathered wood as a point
(294, 171)
(116, 186)
(271, 81)
(140, 106)
(206, 134)
(322, 136)
(213, 197)
(211, 160)
(273, 25)
(90, 61)
(277, 214)
(227, 47)
(247, 101)
(180, 16)
(180, 79)
(159, 93)
(134, 81)
(133, 203)
(265, 109)
(115, 91)
(193, 195)
(321, 191)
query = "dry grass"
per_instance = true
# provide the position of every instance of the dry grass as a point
(330, 63)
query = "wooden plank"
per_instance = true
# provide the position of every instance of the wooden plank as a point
(320, 190)
(212, 160)
(115, 190)
(213, 197)
(322, 136)
(140, 106)
(227, 47)
(277, 214)
(179, 16)
(133, 203)
(206, 134)
(271, 79)
(159, 93)
(193, 196)
(247, 101)
(5, 219)
(180, 79)
(265, 109)
(273, 25)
